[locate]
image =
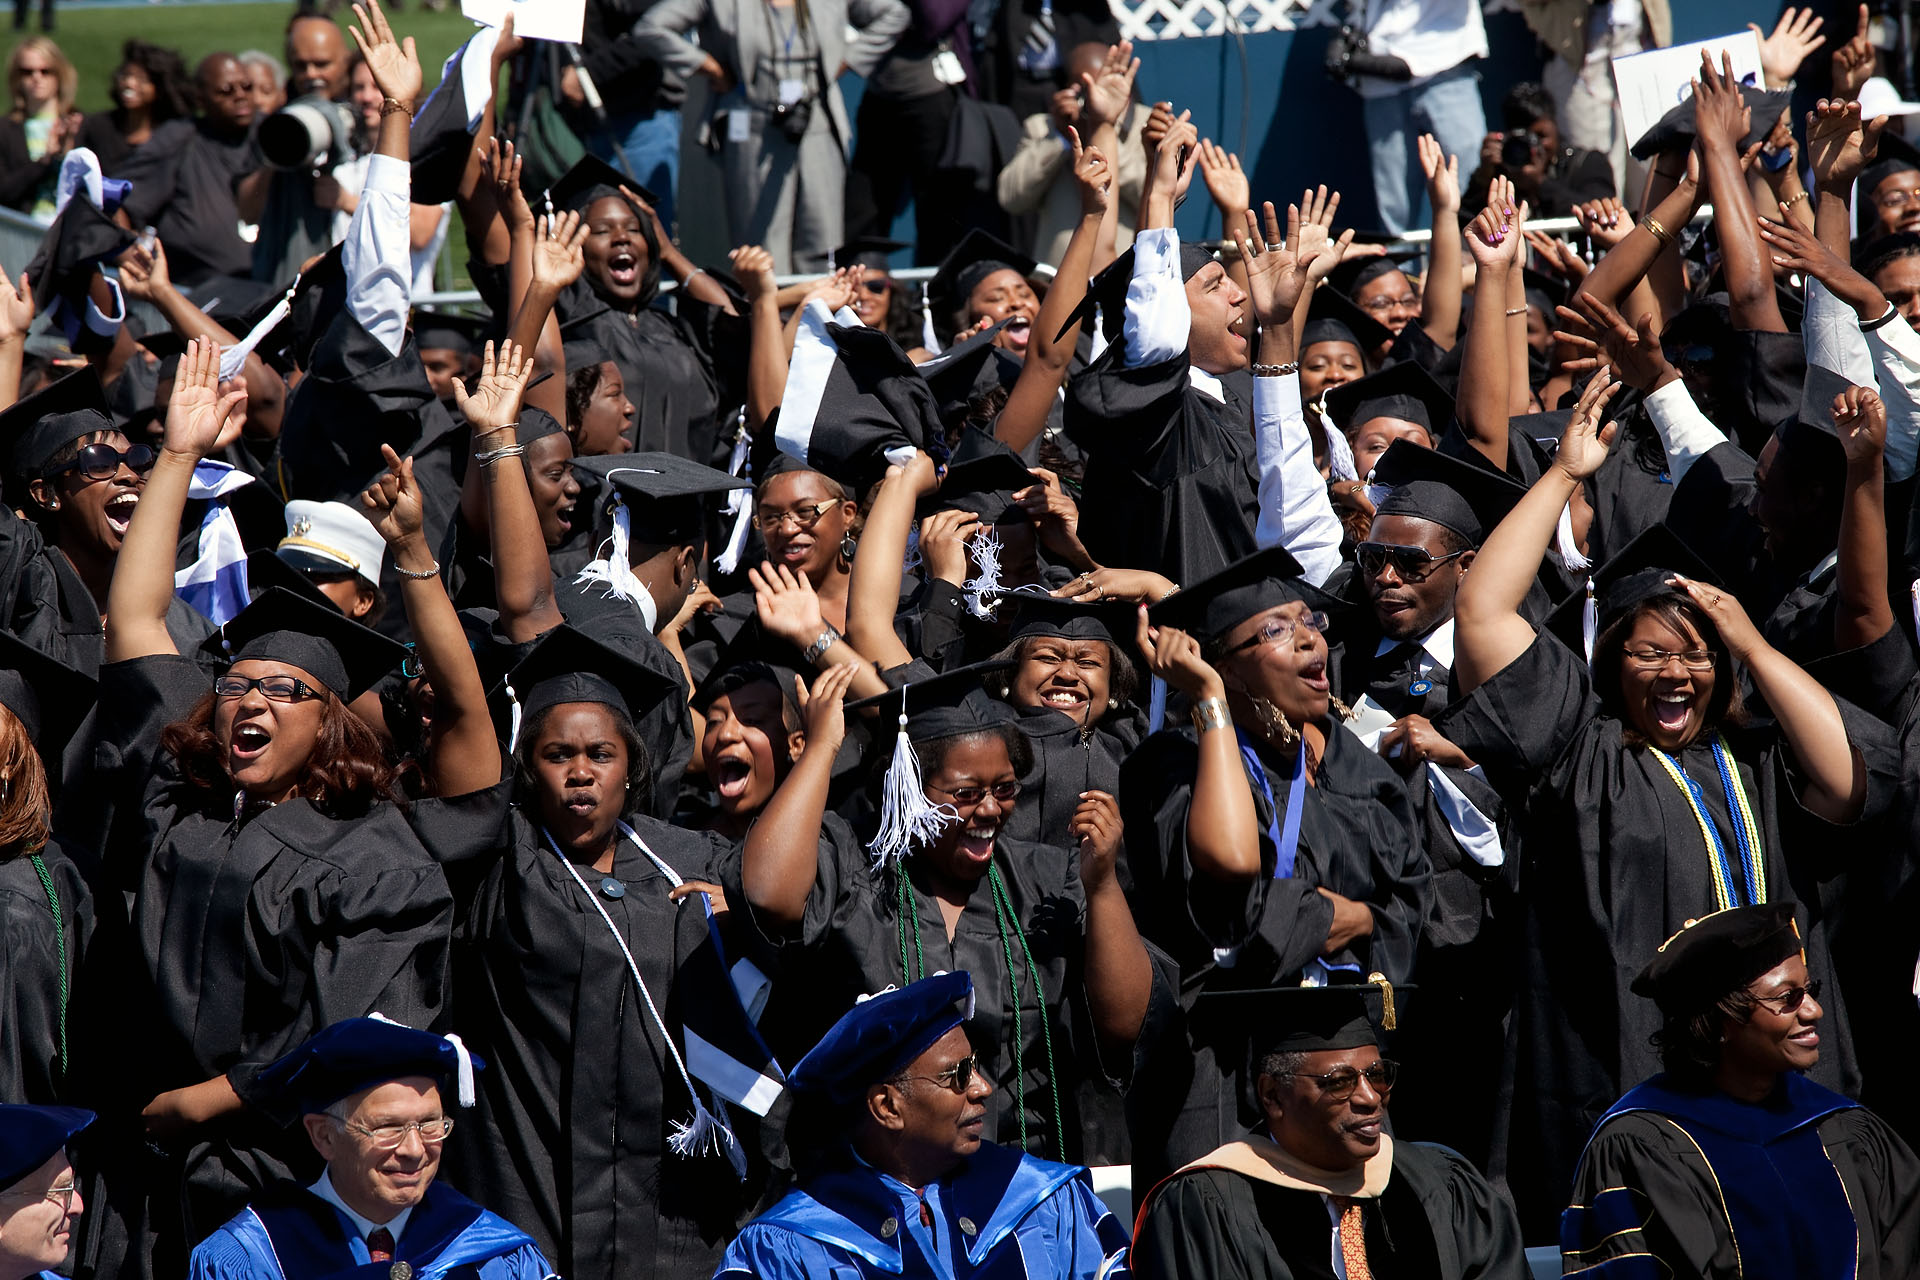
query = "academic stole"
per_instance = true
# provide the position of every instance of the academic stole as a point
(1752, 875)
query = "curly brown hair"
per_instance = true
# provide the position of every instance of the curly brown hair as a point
(346, 773)
(25, 807)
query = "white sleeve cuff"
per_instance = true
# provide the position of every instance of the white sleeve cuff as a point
(1158, 317)
(107, 325)
(1684, 430)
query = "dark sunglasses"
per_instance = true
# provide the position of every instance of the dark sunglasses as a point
(102, 461)
(1340, 1085)
(1790, 1000)
(956, 1077)
(1410, 564)
(879, 284)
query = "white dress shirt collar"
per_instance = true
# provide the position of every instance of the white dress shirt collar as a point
(365, 1226)
(1437, 644)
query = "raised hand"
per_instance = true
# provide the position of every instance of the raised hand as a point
(1583, 446)
(1174, 161)
(1853, 62)
(823, 707)
(1794, 37)
(1096, 821)
(1557, 255)
(558, 256)
(143, 273)
(835, 289)
(753, 268)
(1275, 278)
(1838, 143)
(1142, 586)
(1723, 609)
(500, 167)
(1110, 91)
(1596, 329)
(392, 502)
(1443, 175)
(494, 401)
(1055, 516)
(1174, 656)
(16, 308)
(1092, 174)
(652, 215)
(1491, 236)
(1797, 249)
(1862, 421)
(1312, 239)
(943, 544)
(1720, 113)
(786, 604)
(1159, 119)
(394, 64)
(1605, 221)
(203, 413)
(1226, 180)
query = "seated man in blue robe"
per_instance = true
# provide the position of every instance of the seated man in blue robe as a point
(371, 1094)
(902, 1184)
(39, 1204)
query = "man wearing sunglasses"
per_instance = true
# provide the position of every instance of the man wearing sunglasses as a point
(374, 1098)
(887, 1122)
(1321, 1188)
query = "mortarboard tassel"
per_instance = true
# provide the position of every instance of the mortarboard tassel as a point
(1566, 546)
(1389, 1020)
(615, 570)
(1589, 622)
(928, 338)
(739, 502)
(985, 589)
(912, 559)
(1339, 453)
(464, 1076)
(513, 727)
(231, 358)
(907, 817)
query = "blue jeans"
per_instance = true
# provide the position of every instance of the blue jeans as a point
(651, 144)
(1448, 107)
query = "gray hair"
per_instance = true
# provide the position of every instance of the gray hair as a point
(260, 59)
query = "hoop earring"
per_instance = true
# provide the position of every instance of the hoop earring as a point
(848, 545)
(1275, 722)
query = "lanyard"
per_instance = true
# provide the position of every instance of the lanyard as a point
(1727, 887)
(1286, 838)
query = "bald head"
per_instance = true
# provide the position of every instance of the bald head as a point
(226, 91)
(316, 57)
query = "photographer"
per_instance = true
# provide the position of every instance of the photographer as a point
(1549, 175)
(295, 207)
(776, 116)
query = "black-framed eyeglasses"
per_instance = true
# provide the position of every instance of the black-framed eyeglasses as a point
(1004, 792)
(388, 1137)
(98, 462)
(956, 1077)
(1410, 564)
(272, 688)
(1382, 306)
(805, 517)
(1279, 630)
(1653, 659)
(61, 1193)
(1340, 1084)
(411, 668)
(1790, 1000)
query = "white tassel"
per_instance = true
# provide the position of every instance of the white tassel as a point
(985, 589)
(739, 502)
(615, 569)
(1914, 593)
(1377, 493)
(1589, 622)
(1156, 705)
(907, 817)
(702, 1135)
(513, 715)
(1340, 460)
(464, 1076)
(927, 337)
(1564, 543)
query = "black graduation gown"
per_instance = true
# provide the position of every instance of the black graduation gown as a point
(672, 370)
(36, 989)
(850, 943)
(1617, 865)
(249, 933)
(1359, 837)
(1436, 1217)
(579, 1095)
(1067, 760)
(1171, 481)
(1643, 1162)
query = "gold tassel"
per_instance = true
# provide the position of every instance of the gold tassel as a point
(1389, 1021)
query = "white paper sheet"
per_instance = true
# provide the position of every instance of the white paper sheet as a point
(1651, 84)
(559, 20)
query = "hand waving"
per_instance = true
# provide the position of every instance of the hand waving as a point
(1853, 62)
(16, 308)
(1226, 180)
(1092, 174)
(1583, 446)
(823, 707)
(786, 604)
(393, 501)
(204, 414)
(500, 166)
(558, 258)
(1838, 143)
(1794, 37)
(1720, 113)
(1634, 355)
(494, 401)
(1110, 91)
(394, 64)
(1443, 175)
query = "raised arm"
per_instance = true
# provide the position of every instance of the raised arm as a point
(1223, 831)
(1489, 632)
(767, 352)
(1722, 119)
(1673, 195)
(1863, 613)
(1635, 355)
(1158, 318)
(781, 859)
(462, 754)
(522, 575)
(1117, 973)
(786, 606)
(203, 415)
(16, 317)
(694, 281)
(873, 591)
(1482, 397)
(555, 263)
(377, 255)
(1440, 296)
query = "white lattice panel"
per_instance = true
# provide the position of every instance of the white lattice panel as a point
(1184, 19)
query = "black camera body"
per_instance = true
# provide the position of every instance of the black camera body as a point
(1348, 57)
(792, 118)
(1517, 148)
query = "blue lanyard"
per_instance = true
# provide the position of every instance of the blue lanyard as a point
(1728, 885)
(1286, 838)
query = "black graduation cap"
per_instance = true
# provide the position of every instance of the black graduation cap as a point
(280, 626)
(1545, 292)
(1352, 274)
(535, 424)
(359, 1053)
(36, 427)
(48, 697)
(1213, 606)
(583, 348)
(1811, 437)
(1315, 1019)
(319, 295)
(1675, 130)
(667, 497)
(871, 400)
(593, 178)
(439, 140)
(947, 705)
(1329, 306)
(1875, 254)
(1894, 155)
(751, 657)
(1109, 620)
(1405, 391)
(978, 255)
(79, 240)
(449, 331)
(868, 251)
(982, 477)
(1430, 485)
(1718, 954)
(567, 665)
(969, 368)
(30, 1136)
(1638, 571)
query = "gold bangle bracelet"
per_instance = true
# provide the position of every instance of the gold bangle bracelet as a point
(1660, 233)
(1211, 713)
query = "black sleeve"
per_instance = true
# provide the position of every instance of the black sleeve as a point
(1710, 513)
(1190, 1229)
(153, 169)
(1520, 721)
(1122, 412)
(1640, 1194)
(19, 176)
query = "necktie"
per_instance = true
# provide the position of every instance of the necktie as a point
(380, 1244)
(1040, 51)
(1353, 1239)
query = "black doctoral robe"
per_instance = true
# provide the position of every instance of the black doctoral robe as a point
(1436, 1216)
(45, 925)
(577, 1103)
(1171, 482)
(250, 931)
(1359, 837)
(1617, 865)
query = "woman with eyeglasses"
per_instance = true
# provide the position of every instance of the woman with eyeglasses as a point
(1064, 983)
(276, 883)
(1646, 793)
(1731, 1162)
(1268, 845)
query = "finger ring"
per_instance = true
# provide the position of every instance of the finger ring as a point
(1716, 599)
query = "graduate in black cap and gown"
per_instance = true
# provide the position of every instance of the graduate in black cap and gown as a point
(276, 885)
(594, 977)
(906, 1184)
(1731, 1162)
(1648, 797)
(685, 371)
(1319, 1189)
(1045, 931)
(378, 1101)
(1268, 846)
(38, 1197)
(46, 911)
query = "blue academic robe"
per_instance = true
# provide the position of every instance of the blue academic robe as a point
(1003, 1214)
(299, 1236)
